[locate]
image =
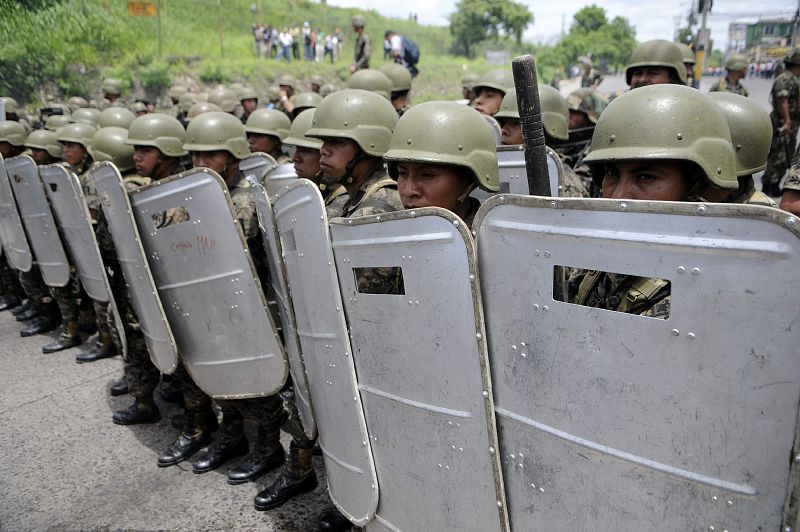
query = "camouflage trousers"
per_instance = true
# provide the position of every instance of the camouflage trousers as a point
(194, 398)
(779, 159)
(9, 284)
(67, 297)
(34, 287)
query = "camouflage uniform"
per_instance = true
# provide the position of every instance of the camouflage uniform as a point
(622, 293)
(793, 181)
(34, 287)
(9, 280)
(724, 85)
(334, 197)
(785, 86)
(363, 51)
(573, 185)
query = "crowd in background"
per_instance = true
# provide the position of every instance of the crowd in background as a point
(306, 43)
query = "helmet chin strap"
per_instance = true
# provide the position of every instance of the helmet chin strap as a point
(463, 197)
(348, 170)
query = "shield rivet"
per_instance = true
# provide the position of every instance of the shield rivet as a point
(536, 306)
(524, 355)
(478, 336)
(701, 209)
(413, 213)
(547, 254)
(681, 269)
(460, 147)
(791, 221)
(363, 444)
(553, 205)
(408, 141)
(535, 252)
(545, 308)
(787, 529)
(623, 206)
(695, 271)
(719, 170)
(690, 336)
(455, 223)
(714, 498)
(612, 138)
(499, 504)
(471, 277)
(729, 502)
(491, 450)
(675, 332)
(711, 528)
(680, 136)
(485, 393)
(502, 199)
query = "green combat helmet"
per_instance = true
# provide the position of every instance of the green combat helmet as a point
(55, 122)
(751, 130)
(45, 140)
(470, 80)
(86, 115)
(109, 144)
(398, 75)
(661, 122)
(274, 93)
(159, 131)
(736, 63)
(587, 101)
(12, 132)
(688, 55)
(555, 114)
(111, 86)
(317, 80)
(306, 100)
(201, 107)
(77, 102)
(115, 116)
(247, 93)
(501, 80)
(657, 52)
(358, 21)
(268, 122)
(186, 102)
(76, 132)
(297, 133)
(287, 81)
(224, 98)
(446, 133)
(328, 88)
(137, 108)
(361, 116)
(176, 91)
(217, 131)
(372, 80)
(508, 107)
(11, 105)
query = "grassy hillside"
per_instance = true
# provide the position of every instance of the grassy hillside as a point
(53, 48)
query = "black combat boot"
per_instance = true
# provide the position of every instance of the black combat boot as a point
(298, 477)
(102, 348)
(333, 521)
(120, 387)
(88, 323)
(194, 436)
(47, 320)
(267, 455)
(230, 442)
(138, 412)
(69, 337)
(16, 311)
(28, 315)
(9, 302)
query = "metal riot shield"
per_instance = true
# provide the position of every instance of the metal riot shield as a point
(614, 421)
(15, 243)
(278, 178)
(421, 360)
(321, 328)
(513, 177)
(274, 251)
(39, 223)
(72, 214)
(255, 166)
(208, 285)
(127, 243)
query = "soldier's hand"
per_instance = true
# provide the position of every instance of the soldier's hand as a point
(785, 129)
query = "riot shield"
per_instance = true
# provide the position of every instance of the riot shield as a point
(255, 166)
(15, 243)
(513, 176)
(274, 250)
(207, 282)
(325, 346)
(127, 243)
(410, 292)
(278, 178)
(38, 220)
(72, 215)
(616, 421)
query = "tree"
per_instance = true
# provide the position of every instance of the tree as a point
(589, 19)
(592, 33)
(477, 20)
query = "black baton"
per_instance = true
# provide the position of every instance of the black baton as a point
(530, 117)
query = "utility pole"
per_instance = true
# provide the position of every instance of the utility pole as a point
(158, 26)
(794, 24)
(702, 43)
(219, 18)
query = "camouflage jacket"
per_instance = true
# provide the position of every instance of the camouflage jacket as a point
(786, 86)
(748, 194)
(572, 185)
(724, 85)
(619, 292)
(793, 181)
(363, 51)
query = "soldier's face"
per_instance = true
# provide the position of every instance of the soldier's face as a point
(74, 153)
(488, 101)
(660, 180)
(510, 131)
(578, 119)
(335, 154)
(216, 160)
(249, 105)
(263, 143)
(431, 185)
(306, 162)
(41, 156)
(6, 149)
(146, 159)
(649, 75)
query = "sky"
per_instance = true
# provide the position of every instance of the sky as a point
(652, 19)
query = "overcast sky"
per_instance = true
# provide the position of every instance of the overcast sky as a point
(652, 20)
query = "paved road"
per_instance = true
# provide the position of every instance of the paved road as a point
(65, 466)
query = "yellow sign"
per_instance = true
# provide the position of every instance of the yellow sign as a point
(142, 9)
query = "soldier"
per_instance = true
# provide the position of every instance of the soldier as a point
(112, 91)
(363, 49)
(751, 135)
(54, 122)
(555, 119)
(735, 67)
(585, 106)
(315, 83)
(672, 156)
(450, 154)
(266, 129)
(355, 127)
(467, 85)
(401, 86)
(138, 108)
(303, 101)
(224, 98)
(200, 108)
(785, 117)
(218, 142)
(286, 85)
(371, 80)
(306, 160)
(87, 116)
(655, 62)
(790, 201)
(45, 149)
(249, 99)
(491, 88)
(590, 76)
(185, 103)
(689, 62)
(328, 88)
(115, 116)
(12, 143)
